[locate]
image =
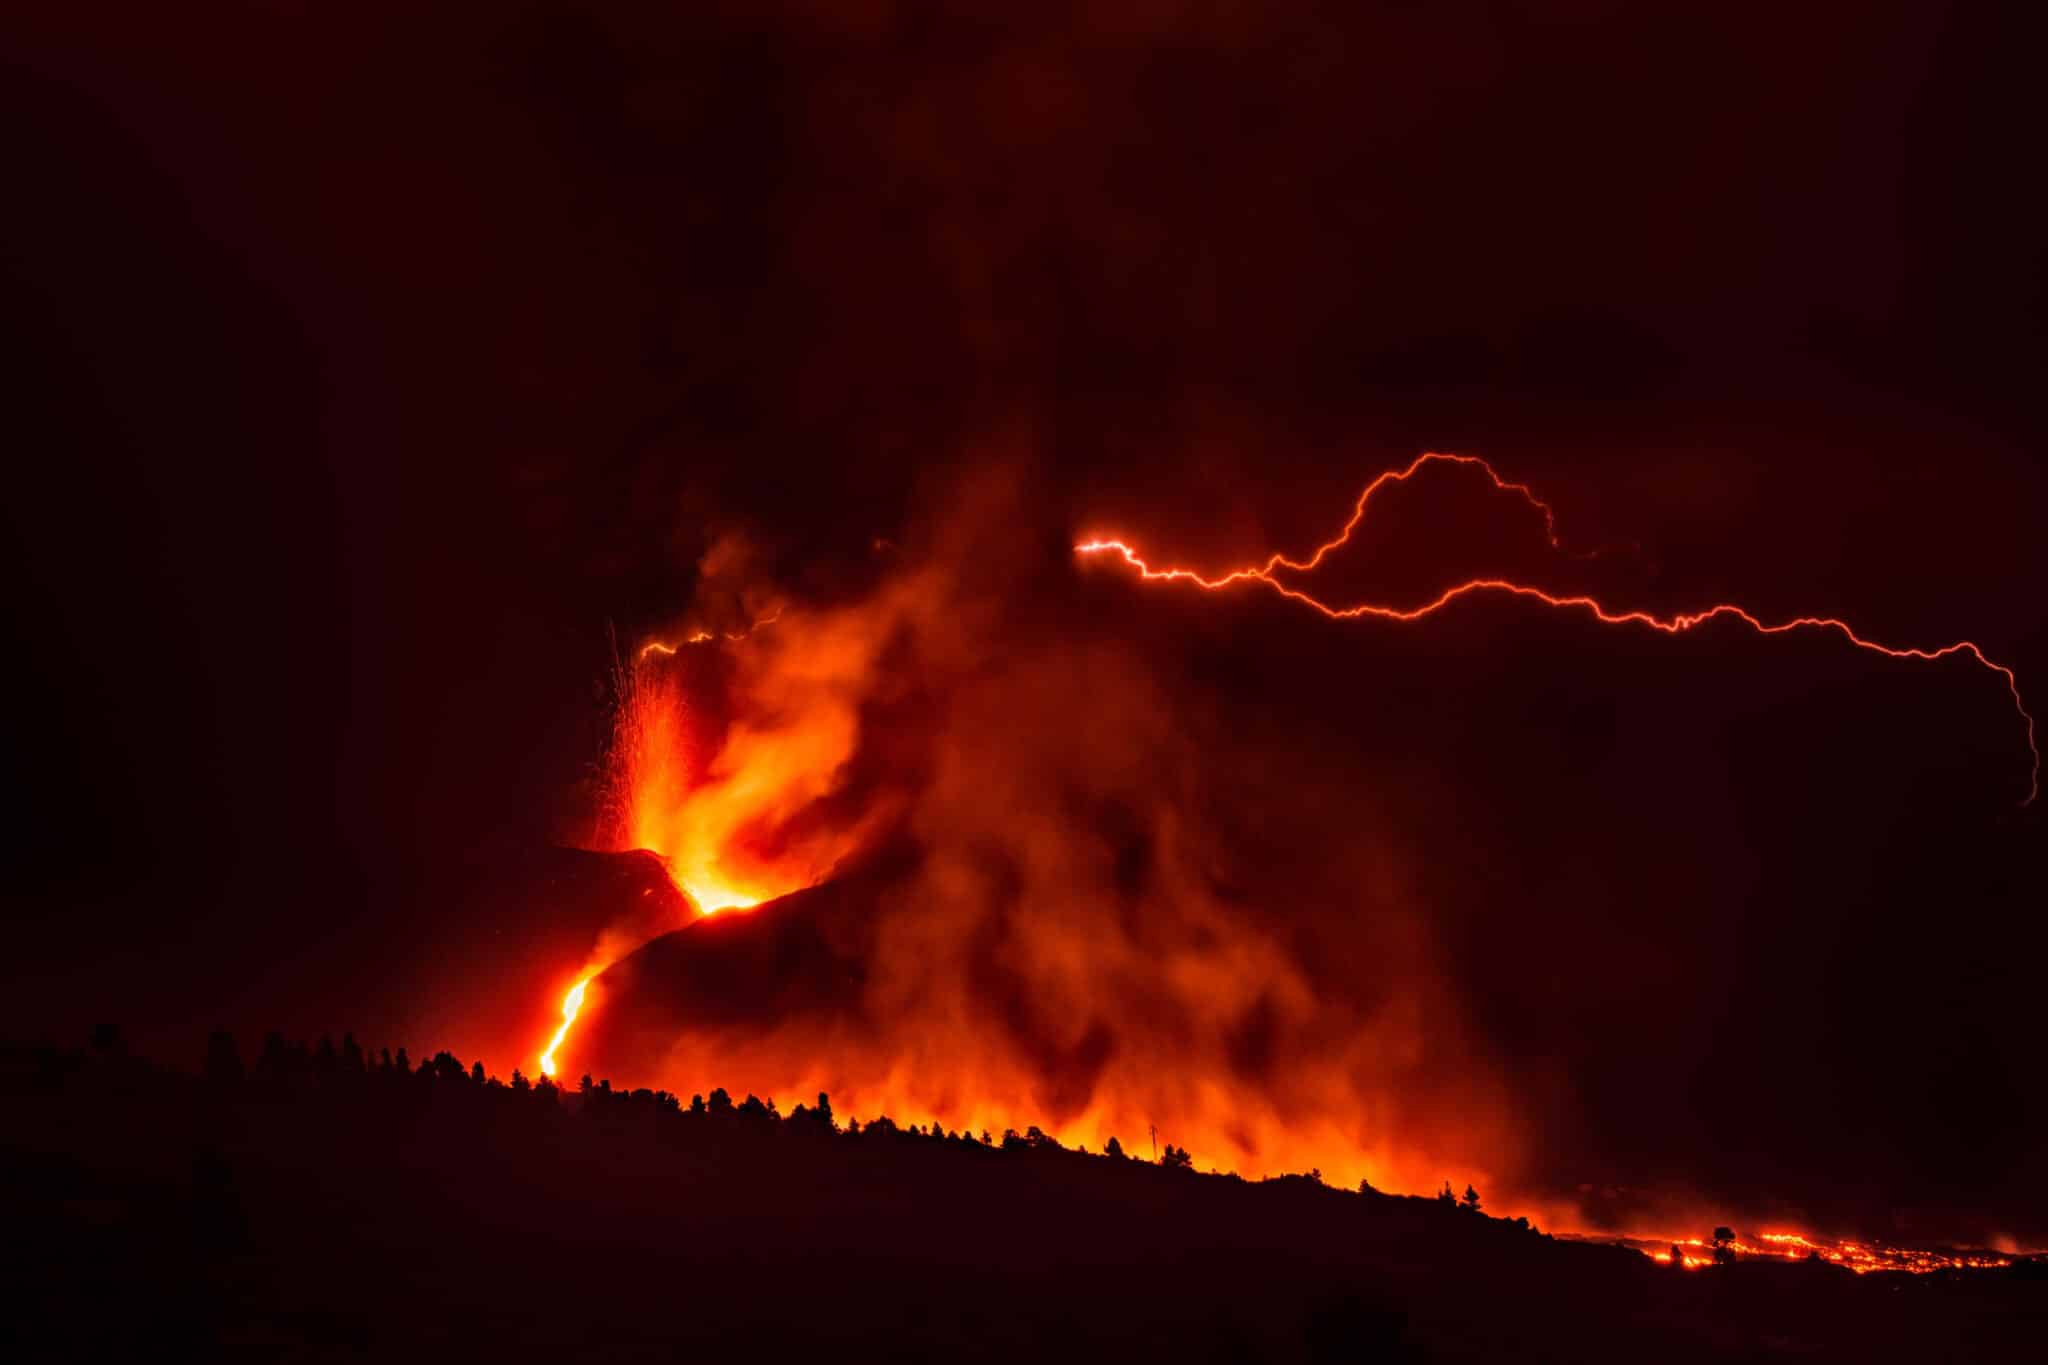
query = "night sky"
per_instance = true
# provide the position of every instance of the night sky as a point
(374, 370)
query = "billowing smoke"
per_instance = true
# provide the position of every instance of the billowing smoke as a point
(1401, 902)
(1092, 895)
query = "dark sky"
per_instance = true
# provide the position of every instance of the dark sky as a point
(368, 363)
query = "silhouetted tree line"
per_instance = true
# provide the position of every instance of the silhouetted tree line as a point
(284, 1069)
(283, 1066)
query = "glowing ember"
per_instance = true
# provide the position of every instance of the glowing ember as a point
(571, 1003)
(1671, 625)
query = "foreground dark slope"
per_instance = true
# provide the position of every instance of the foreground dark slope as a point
(338, 1214)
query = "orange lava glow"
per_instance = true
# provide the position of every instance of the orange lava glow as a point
(1671, 625)
(698, 815)
(712, 797)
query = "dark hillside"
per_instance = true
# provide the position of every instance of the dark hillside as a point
(318, 1210)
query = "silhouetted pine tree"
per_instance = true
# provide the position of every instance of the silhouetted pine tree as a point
(274, 1061)
(223, 1060)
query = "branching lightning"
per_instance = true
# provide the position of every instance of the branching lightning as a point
(702, 637)
(1267, 574)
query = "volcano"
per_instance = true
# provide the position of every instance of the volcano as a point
(729, 977)
(829, 989)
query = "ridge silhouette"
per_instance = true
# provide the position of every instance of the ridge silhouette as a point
(328, 1199)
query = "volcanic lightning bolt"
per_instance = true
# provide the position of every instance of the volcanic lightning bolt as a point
(1267, 573)
(705, 637)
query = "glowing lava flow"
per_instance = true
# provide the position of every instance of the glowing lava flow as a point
(1670, 625)
(1861, 1257)
(571, 1003)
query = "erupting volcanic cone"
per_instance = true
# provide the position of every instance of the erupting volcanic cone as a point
(719, 987)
